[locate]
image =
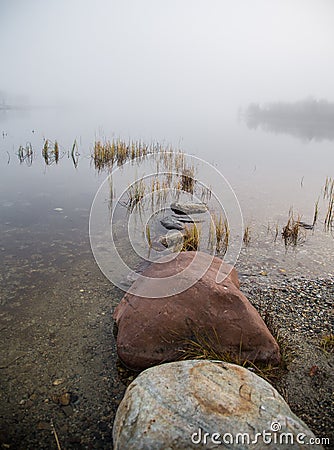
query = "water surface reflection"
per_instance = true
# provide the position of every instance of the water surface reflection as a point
(308, 119)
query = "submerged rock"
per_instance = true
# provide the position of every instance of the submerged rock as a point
(173, 239)
(205, 404)
(188, 208)
(171, 224)
(307, 226)
(217, 313)
(186, 219)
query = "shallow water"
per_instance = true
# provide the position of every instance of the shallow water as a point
(44, 210)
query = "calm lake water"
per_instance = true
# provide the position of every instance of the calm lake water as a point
(44, 210)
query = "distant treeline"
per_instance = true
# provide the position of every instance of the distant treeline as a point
(310, 118)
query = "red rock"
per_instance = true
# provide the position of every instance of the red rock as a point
(151, 331)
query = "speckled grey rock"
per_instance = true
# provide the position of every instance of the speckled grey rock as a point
(206, 404)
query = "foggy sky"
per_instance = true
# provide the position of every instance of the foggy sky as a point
(165, 54)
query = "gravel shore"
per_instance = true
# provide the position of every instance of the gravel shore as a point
(301, 310)
(59, 364)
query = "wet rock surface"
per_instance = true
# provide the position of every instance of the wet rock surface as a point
(171, 224)
(173, 239)
(201, 404)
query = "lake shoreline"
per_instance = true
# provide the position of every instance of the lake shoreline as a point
(63, 342)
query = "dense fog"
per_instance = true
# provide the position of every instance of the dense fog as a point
(154, 58)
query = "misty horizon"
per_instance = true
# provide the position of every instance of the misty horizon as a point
(306, 119)
(166, 58)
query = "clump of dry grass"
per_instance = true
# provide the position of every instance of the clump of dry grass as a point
(135, 193)
(316, 213)
(329, 219)
(45, 152)
(328, 194)
(219, 234)
(188, 180)
(50, 152)
(328, 190)
(191, 238)
(247, 236)
(107, 153)
(56, 152)
(292, 232)
(148, 235)
(207, 345)
(104, 154)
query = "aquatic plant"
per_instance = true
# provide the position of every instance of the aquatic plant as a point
(328, 194)
(191, 238)
(45, 152)
(75, 153)
(50, 152)
(205, 194)
(219, 234)
(316, 213)
(329, 214)
(26, 154)
(328, 190)
(247, 236)
(187, 180)
(292, 231)
(135, 193)
(56, 152)
(148, 235)
(117, 151)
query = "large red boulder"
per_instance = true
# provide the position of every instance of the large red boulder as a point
(156, 329)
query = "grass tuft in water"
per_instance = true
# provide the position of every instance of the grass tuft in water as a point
(135, 193)
(26, 154)
(188, 180)
(328, 190)
(56, 152)
(292, 233)
(45, 152)
(328, 194)
(108, 153)
(50, 152)
(329, 219)
(191, 238)
(75, 153)
(148, 235)
(219, 234)
(247, 236)
(316, 213)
